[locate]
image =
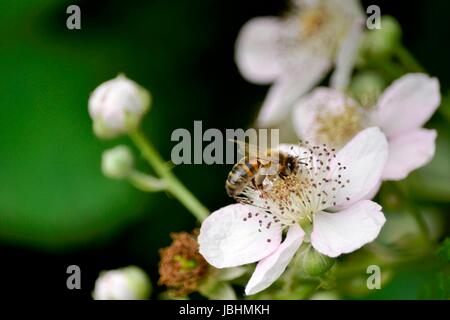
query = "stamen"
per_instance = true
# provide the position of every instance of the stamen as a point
(300, 195)
(311, 21)
(338, 128)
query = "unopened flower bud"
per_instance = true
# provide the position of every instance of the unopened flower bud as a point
(382, 42)
(130, 283)
(314, 263)
(117, 106)
(117, 163)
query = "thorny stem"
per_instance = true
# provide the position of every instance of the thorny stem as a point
(173, 185)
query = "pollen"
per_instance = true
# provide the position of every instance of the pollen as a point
(182, 267)
(320, 27)
(337, 129)
(291, 199)
(311, 21)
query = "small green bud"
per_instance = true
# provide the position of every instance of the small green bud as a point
(117, 163)
(314, 263)
(382, 42)
(129, 283)
(367, 86)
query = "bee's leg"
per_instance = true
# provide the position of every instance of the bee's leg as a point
(282, 176)
(258, 181)
(254, 183)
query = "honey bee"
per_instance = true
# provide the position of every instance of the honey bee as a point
(255, 170)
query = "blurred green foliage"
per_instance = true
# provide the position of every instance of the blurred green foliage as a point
(52, 194)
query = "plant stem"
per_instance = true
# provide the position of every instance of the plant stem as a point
(173, 185)
(146, 183)
(408, 60)
(389, 69)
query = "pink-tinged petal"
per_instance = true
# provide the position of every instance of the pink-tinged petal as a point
(257, 50)
(372, 193)
(270, 268)
(346, 56)
(347, 230)
(229, 238)
(290, 87)
(369, 196)
(408, 152)
(320, 101)
(407, 104)
(363, 160)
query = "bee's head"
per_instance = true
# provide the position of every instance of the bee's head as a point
(291, 164)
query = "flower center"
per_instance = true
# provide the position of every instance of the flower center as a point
(297, 197)
(337, 129)
(321, 27)
(311, 21)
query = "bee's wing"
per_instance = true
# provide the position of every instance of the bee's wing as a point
(253, 151)
(248, 149)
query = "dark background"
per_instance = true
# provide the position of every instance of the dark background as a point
(56, 208)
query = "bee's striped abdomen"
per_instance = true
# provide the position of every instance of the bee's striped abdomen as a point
(240, 176)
